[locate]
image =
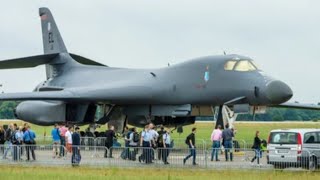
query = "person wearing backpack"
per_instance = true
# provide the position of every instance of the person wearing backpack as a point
(160, 142)
(190, 141)
(134, 139)
(257, 148)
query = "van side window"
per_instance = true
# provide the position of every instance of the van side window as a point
(312, 137)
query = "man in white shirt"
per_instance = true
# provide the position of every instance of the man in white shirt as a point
(154, 134)
(68, 137)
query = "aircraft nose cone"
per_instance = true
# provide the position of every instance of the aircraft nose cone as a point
(278, 92)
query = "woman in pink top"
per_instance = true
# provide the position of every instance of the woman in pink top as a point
(63, 131)
(216, 138)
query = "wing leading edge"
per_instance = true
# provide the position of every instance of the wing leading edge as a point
(298, 106)
(128, 94)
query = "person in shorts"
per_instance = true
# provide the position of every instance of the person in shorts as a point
(55, 133)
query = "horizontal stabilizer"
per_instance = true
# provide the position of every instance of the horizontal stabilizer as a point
(27, 62)
(86, 61)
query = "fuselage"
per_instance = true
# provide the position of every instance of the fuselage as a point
(204, 81)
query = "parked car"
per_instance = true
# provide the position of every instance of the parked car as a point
(294, 148)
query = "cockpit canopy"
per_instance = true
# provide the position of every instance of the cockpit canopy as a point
(240, 65)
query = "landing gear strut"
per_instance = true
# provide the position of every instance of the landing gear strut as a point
(225, 116)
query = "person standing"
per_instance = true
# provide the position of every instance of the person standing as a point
(68, 139)
(160, 142)
(227, 135)
(8, 144)
(134, 139)
(126, 136)
(19, 138)
(2, 139)
(55, 133)
(145, 142)
(110, 134)
(216, 137)
(62, 131)
(166, 141)
(76, 156)
(29, 139)
(155, 136)
(14, 142)
(257, 147)
(190, 141)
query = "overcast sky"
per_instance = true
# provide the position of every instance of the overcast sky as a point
(283, 37)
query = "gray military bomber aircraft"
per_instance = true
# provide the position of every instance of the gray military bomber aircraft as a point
(81, 91)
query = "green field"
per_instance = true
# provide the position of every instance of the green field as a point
(245, 130)
(88, 173)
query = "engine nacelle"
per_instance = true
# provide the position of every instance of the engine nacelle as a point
(41, 112)
(51, 112)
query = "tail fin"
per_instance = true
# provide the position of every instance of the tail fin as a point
(52, 40)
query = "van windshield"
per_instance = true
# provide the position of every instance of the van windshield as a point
(283, 138)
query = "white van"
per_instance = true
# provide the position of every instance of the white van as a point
(294, 148)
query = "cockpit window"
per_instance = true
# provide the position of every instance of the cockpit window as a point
(229, 65)
(255, 64)
(244, 65)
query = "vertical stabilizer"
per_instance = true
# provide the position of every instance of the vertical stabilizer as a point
(52, 40)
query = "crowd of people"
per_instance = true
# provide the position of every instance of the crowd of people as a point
(18, 141)
(66, 140)
(148, 140)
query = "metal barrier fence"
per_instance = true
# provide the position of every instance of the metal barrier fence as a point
(162, 157)
(177, 142)
(100, 141)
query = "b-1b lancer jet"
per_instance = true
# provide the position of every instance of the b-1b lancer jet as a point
(81, 91)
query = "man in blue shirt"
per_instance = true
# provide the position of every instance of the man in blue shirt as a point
(55, 133)
(28, 138)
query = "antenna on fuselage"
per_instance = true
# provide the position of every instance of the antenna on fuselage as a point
(224, 52)
(168, 64)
